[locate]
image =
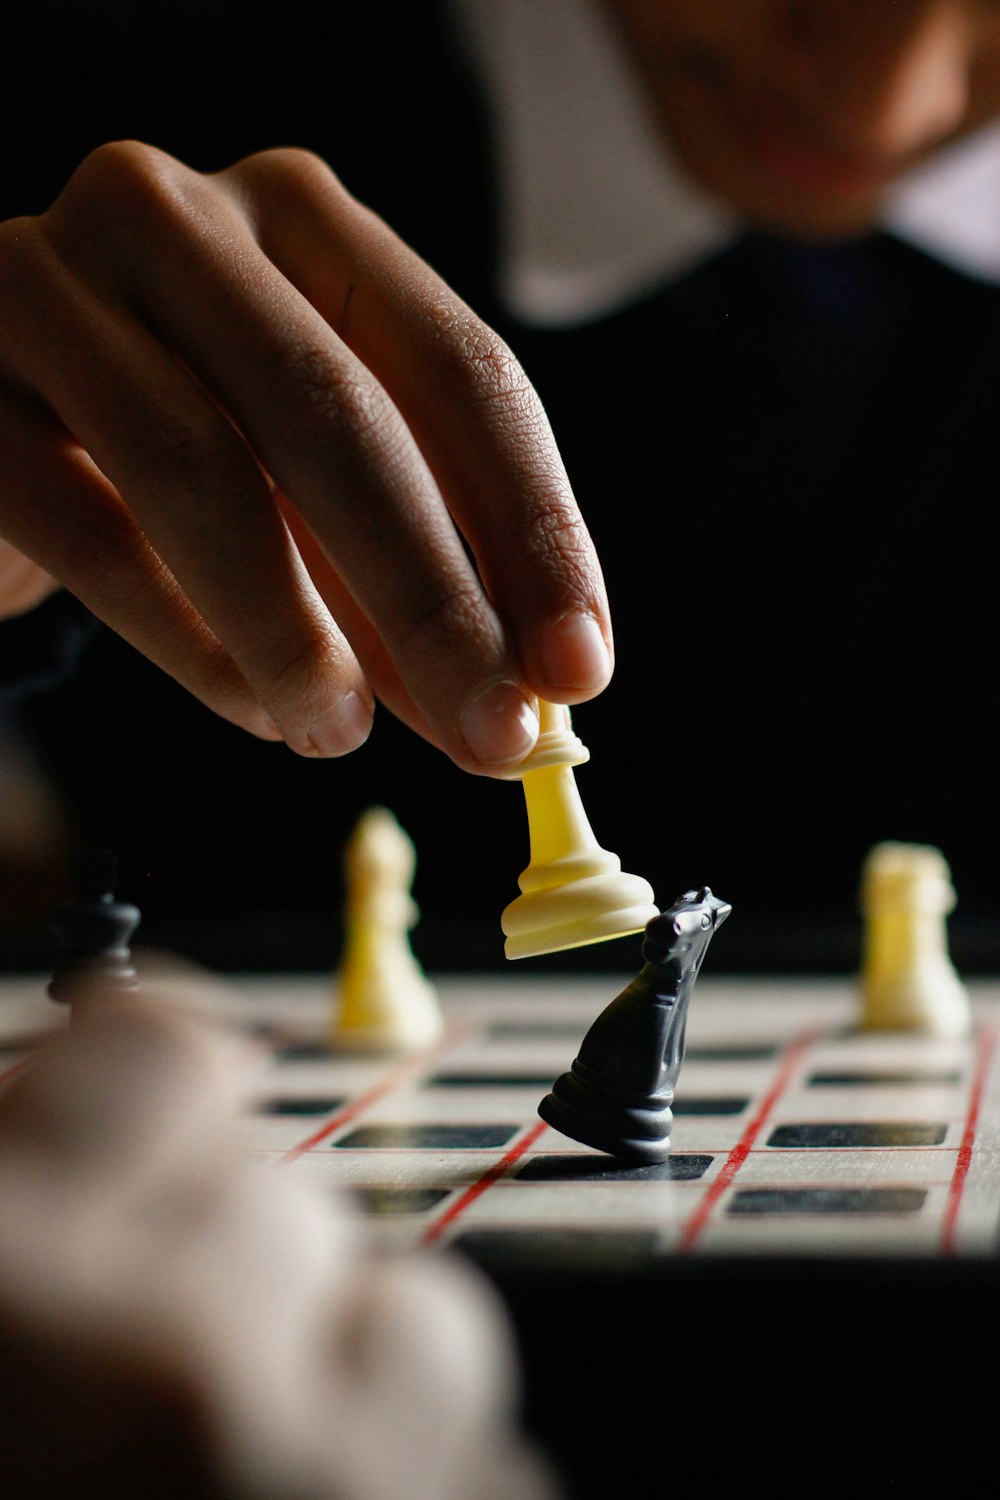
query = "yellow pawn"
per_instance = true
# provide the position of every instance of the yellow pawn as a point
(385, 1001)
(908, 982)
(573, 891)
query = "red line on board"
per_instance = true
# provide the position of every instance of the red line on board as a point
(985, 1044)
(790, 1061)
(399, 1074)
(14, 1069)
(487, 1180)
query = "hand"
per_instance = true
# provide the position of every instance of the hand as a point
(259, 437)
(178, 1318)
(22, 583)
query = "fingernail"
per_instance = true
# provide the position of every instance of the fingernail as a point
(574, 654)
(346, 726)
(499, 725)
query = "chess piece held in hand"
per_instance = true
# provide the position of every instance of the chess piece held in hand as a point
(618, 1093)
(573, 892)
(385, 1002)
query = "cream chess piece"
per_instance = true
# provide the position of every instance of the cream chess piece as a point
(573, 892)
(908, 981)
(385, 1001)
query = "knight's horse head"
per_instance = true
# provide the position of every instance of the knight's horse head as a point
(685, 929)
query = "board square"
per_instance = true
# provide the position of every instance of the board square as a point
(426, 1137)
(848, 1133)
(816, 1200)
(586, 1167)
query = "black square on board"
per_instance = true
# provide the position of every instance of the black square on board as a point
(844, 1135)
(426, 1137)
(587, 1167)
(827, 1200)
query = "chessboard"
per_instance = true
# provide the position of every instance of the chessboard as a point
(794, 1132)
(829, 1192)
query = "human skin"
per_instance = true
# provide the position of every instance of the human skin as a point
(250, 429)
(800, 114)
(204, 1324)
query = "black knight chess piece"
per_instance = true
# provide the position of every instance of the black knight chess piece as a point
(93, 930)
(617, 1095)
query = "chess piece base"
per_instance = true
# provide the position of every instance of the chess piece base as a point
(637, 1131)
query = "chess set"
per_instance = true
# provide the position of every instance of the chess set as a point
(792, 1130)
(531, 1116)
(771, 1160)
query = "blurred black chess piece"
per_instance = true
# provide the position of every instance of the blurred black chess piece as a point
(618, 1092)
(93, 930)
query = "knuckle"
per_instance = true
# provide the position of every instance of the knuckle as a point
(452, 615)
(122, 182)
(185, 457)
(479, 360)
(121, 178)
(496, 370)
(300, 667)
(556, 529)
(342, 395)
(179, 440)
(556, 540)
(293, 167)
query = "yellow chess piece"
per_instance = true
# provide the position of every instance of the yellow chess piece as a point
(908, 982)
(385, 1001)
(573, 891)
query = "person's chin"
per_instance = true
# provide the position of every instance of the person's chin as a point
(797, 194)
(811, 217)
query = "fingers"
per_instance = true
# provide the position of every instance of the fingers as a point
(425, 1340)
(199, 548)
(63, 513)
(282, 338)
(475, 416)
(332, 438)
(23, 584)
(129, 1092)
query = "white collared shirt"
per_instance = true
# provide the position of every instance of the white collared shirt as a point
(595, 213)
